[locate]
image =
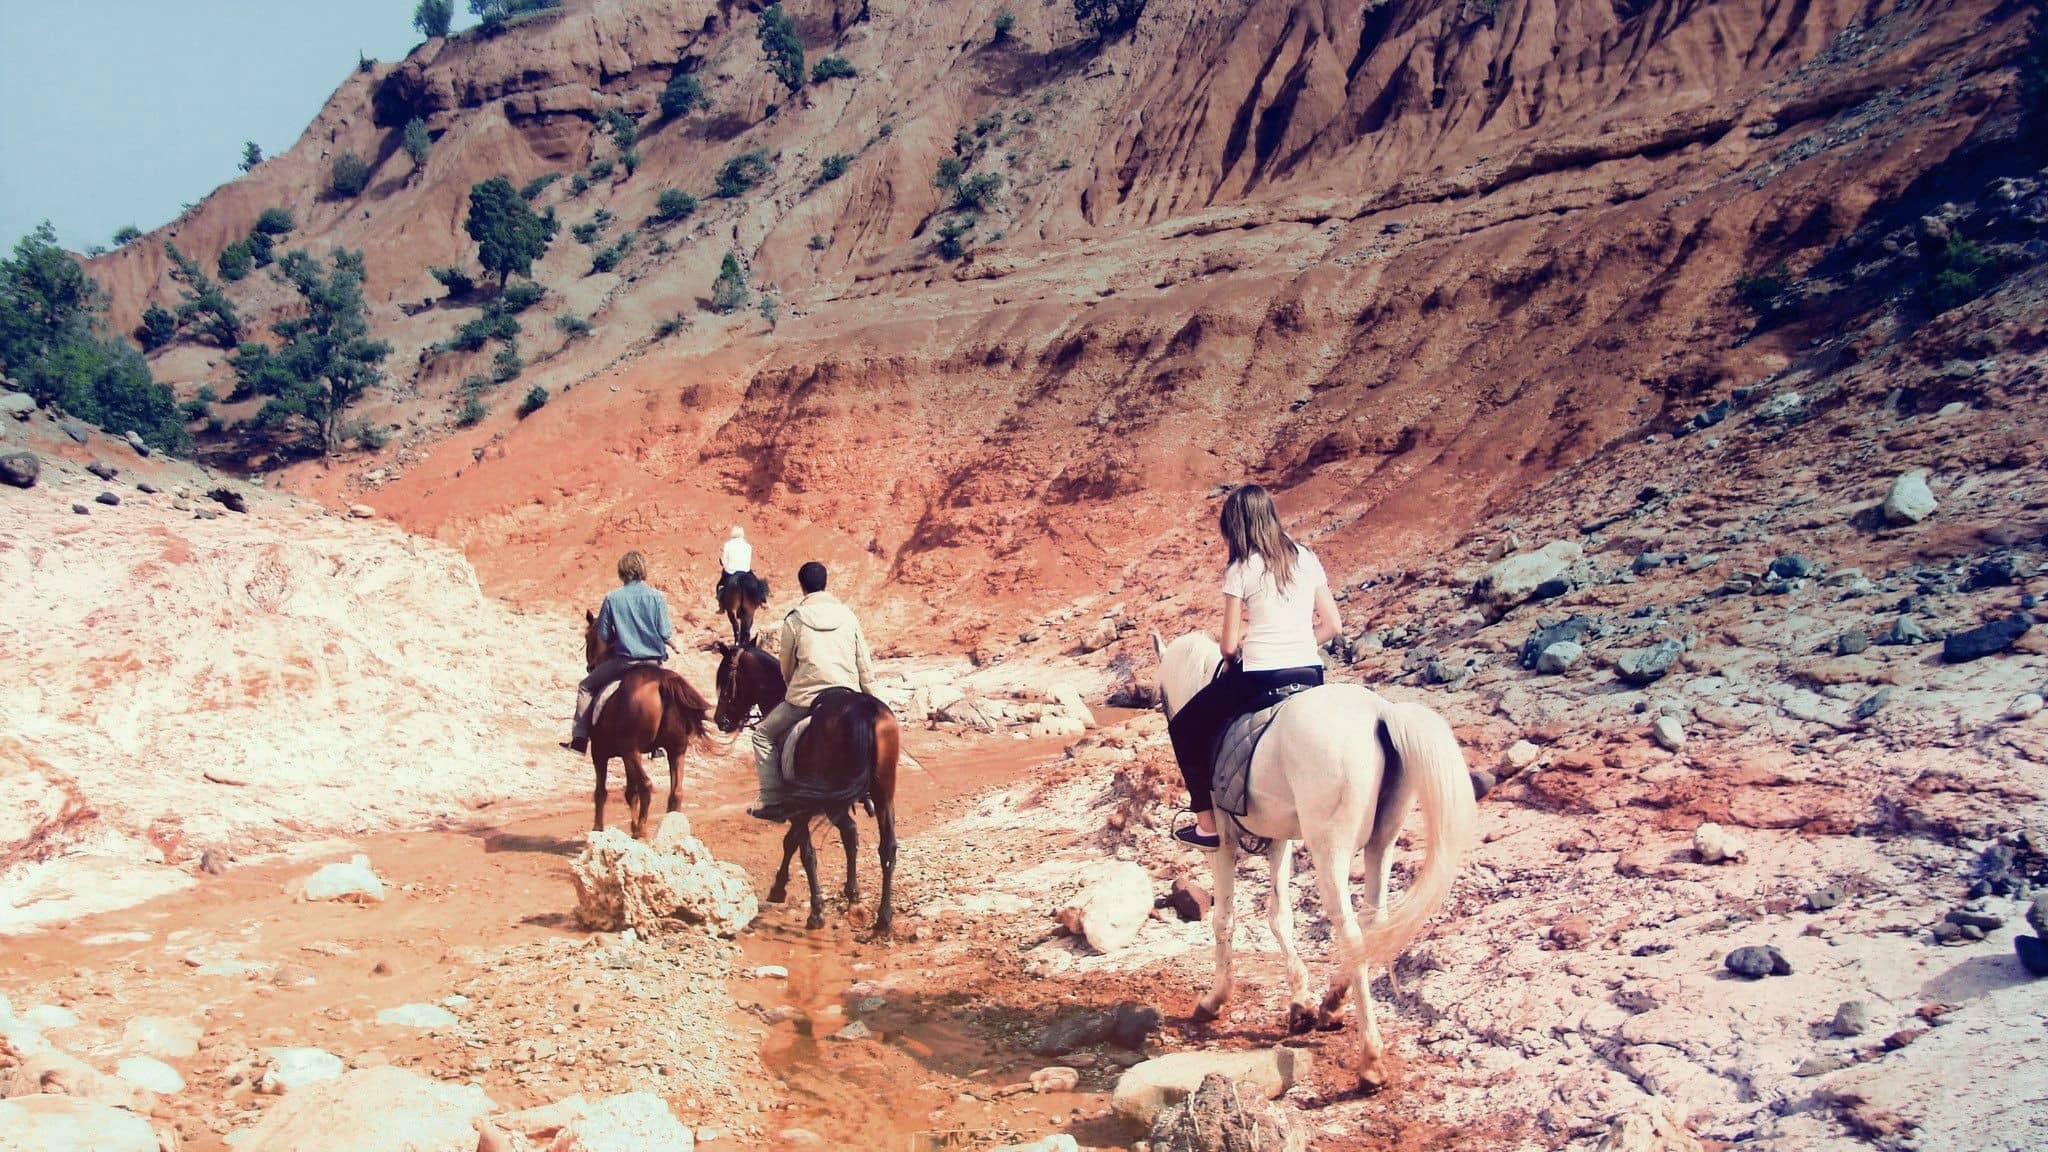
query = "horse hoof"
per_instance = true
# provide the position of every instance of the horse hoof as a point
(1203, 1014)
(1370, 1083)
(883, 929)
(776, 896)
(1300, 1019)
(816, 922)
(1329, 1022)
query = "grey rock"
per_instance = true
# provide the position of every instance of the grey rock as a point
(2037, 915)
(1854, 1018)
(1483, 782)
(2033, 954)
(1132, 1024)
(1669, 733)
(19, 405)
(1070, 1031)
(1575, 629)
(1985, 640)
(1851, 642)
(20, 469)
(1647, 665)
(1189, 900)
(1516, 578)
(1755, 962)
(1976, 918)
(1910, 499)
(1792, 566)
(136, 442)
(108, 498)
(1820, 1064)
(146, 488)
(75, 430)
(81, 509)
(102, 469)
(1224, 1116)
(1559, 657)
(1869, 705)
(1906, 630)
(1157, 1084)
(1824, 899)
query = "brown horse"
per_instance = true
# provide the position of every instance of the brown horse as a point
(653, 708)
(847, 756)
(740, 595)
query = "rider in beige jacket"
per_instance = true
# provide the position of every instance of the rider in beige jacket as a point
(822, 647)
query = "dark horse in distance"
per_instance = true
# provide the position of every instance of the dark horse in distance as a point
(740, 595)
(846, 756)
(653, 708)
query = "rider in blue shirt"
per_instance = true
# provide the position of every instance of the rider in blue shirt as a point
(635, 623)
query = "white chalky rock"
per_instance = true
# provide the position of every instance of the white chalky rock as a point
(1111, 907)
(1714, 844)
(353, 880)
(151, 1074)
(1910, 500)
(622, 883)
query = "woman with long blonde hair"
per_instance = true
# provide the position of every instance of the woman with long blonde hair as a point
(1277, 615)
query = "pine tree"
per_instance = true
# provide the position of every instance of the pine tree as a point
(509, 235)
(417, 143)
(251, 156)
(327, 361)
(779, 43)
(729, 291)
(432, 17)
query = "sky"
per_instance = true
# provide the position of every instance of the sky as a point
(118, 112)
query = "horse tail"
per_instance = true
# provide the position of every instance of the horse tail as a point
(685, 703)
(849, 760)
(1449, 815)
(754, 588)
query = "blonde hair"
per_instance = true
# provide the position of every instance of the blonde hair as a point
(632, 566)
(1251, 525)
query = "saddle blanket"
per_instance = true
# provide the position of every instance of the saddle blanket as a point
(604, 697)
(787, 756)
(1231, 786)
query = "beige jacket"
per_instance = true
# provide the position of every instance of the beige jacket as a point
(823, 647)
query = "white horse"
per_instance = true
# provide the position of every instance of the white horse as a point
(1338, 768)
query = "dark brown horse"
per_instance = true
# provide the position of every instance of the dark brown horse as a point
(653, 708)
(740, 595)
(847, 756)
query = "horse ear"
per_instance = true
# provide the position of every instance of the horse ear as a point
(724, 649)
(589, 617)
(1158, 645)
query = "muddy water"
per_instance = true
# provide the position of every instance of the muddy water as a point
(936, 1063)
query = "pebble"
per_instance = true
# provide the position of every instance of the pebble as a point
(1792, 566)
(1869, 705)
(1522, 753)
(1851, 642)
(1756, 962)
(1559, 657)
(1854, 1018)
(1669, 733)
(101, 469)
(1821, 1064)
(1824, 899)
(81, 509)
(1646, 665)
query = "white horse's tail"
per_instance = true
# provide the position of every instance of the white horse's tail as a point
(1449, 815)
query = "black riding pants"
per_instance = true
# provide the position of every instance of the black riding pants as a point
(1199, 724)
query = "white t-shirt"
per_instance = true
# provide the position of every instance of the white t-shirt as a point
(1280, 627)
(738, 555)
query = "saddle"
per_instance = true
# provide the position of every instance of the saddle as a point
(1231, 786)
(611, 688)
(785, 757)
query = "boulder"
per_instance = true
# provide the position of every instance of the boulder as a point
(372, 1110)
(1985, 640)
(150, 1075)
(1714, 844)
(353, 881)
(53, 1072)
(1189, 900)
(1132, 1024)
(72, 428)
(1055, 1079)
(19, 405)
(136, 442)
(1668, 733)
(1099, 635)
(102, 469)
(634, 1122)
(1559, 657)
(1574, 629)
(1854, 1018)
(1792, 566)
(20, 469)
(622, 883)
(1656, 1127)
(1112, 905)
(109, 499)
(1910, 500)
(295, 1069)
(2033, 954)
(970, 712)
(1642, 666)
(1071, 1030)
(1148, 1089)
(1224, 1115)
(1069, 699)
(1517, 578)
(1754, 963)
(1521, 754)
(46, 1123)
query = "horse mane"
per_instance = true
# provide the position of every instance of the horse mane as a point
(1186, 666)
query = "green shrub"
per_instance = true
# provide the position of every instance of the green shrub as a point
(670, 327)
(608, 259)
(472, 412)
(630, 161)
(417, 142)
(348, 176)
(954, 235)
(1957, 274)
(620, 124)
(538, 185)
(977, 191)
(275, 222)
(683, 95)
(674, 204)
(233, 262)
(579, 184)
(327, 359)
(1766, 294)
(769, 309)
(832, 68)
(575, 327)
(202, 303)
(365, 435)
(729, 291)
(1003, 23)
(517, 298)
(780, 45)
(159, 327)
(125, 233)
(602, 170)
(474, 385)
(535, 400)
(987, 124)
(365, 63)
(948, 173)
(432, 17)
(833, 167)
(507, 365)
(742, 172)
(194, 410)
(251, 155)
(207, 394)
(457, 281)
(819, 243)
(1103, 17)
(473, 334)
(588, 231)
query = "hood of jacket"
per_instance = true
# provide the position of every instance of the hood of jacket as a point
(822, 612)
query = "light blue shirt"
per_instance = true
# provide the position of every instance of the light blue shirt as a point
(635, 620)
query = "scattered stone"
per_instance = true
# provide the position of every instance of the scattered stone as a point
(20, 469)
(1906, 630)
(46, 1122)
(2037, 914)
(228, 498)
(1131, 1025)
(1985, 640)
(1055, 1079)
(1910, 499)
(353, 881)
(1669, 733)
(1903, 1037)
(1189, 900)
(102, 469)
(1072, 1029)
(371, 1110)
(1824, 899)
(1516, 578)
(1483, 782)
(418, 1016)
(634, 1122)
(1714, 844)
(2033, 953)
(72, 428)
(1976, 918)
(136, 442)
(150, 1075)
(1559, 657)
(1869, 705)
(81, 509)
(1851, 642)
(1100, 635)
(1521, 754)
(19, 405)
(770, 972)
(1111, 907)
(1854, 1018)
(1150, 1088)
(1754, 962)
(362, 511)
(1571, 932)
(292, 1069)
(213, 863)
(1647, 665)
(1223, 1115)
(1792, 566)
(854, 1031)
(1820, 1064)
(108, 498)
(622, 883)
(146, 488)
